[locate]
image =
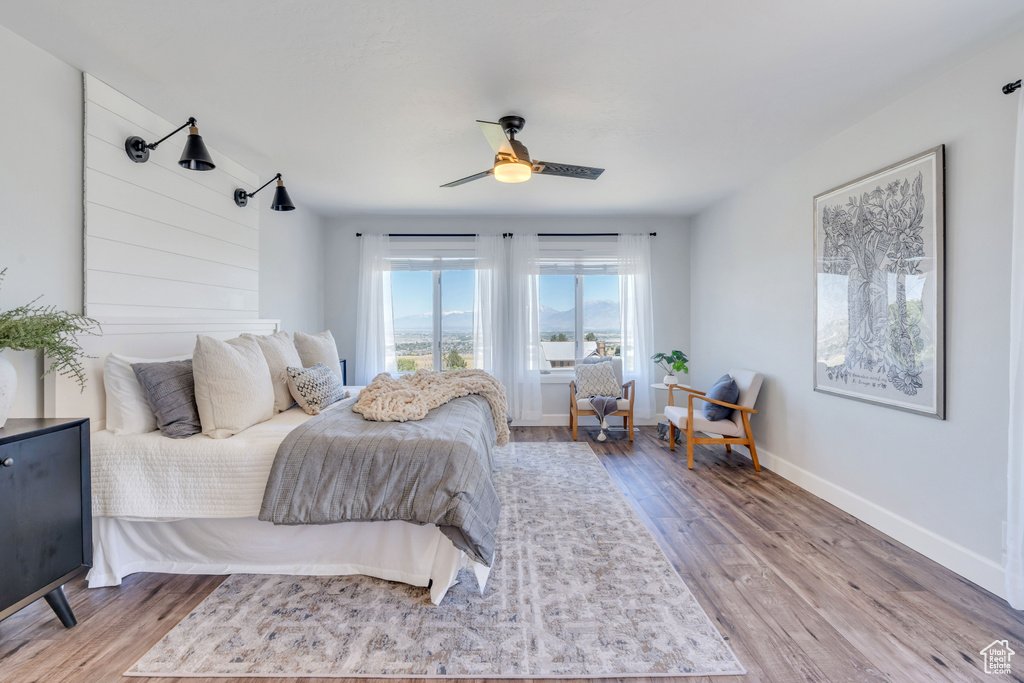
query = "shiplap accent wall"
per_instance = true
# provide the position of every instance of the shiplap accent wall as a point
(161, 240)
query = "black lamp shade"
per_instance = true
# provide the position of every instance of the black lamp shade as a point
(195, 156)
(282, 202)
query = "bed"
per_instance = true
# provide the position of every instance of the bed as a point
(191, 506)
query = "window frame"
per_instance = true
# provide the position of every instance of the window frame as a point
(437, 319)
(579, 334)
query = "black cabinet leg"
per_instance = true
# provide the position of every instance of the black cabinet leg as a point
(58, 602)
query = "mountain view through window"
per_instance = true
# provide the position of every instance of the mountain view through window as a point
(413, 296)
(562, 338)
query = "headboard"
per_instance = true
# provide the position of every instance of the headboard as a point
(139, 337)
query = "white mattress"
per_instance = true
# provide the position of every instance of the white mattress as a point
(149, 476)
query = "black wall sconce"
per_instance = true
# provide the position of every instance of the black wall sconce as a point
(194, 157)
(282, 202)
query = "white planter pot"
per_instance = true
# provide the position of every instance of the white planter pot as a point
(8, 383)
(670, 379)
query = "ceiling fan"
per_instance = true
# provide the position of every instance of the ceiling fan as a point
(512, 162)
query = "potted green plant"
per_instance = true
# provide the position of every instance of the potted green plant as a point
(49, 332)
(671, 363)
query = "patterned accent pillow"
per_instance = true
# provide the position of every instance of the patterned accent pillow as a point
(315, 388)
(596, 379)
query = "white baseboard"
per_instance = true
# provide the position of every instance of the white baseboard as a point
(586, 421)
(974, 567)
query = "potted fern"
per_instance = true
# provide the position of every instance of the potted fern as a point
(49, 332)
(671, 363)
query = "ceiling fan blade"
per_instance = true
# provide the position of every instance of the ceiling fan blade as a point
(567, 170)
(470, 178)
(495, 135)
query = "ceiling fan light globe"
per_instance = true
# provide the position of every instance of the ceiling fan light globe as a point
(512, 171)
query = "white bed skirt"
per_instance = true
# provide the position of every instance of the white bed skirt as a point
(394, 550)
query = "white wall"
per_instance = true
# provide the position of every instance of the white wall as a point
(939, 486)
(671, 277)
(161, 240)
(291, 266)
(40, 192)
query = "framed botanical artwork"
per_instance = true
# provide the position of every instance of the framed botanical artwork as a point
(879, 327)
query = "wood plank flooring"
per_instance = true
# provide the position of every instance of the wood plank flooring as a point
(801, 590)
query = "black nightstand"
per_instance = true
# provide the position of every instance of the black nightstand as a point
(45, 512)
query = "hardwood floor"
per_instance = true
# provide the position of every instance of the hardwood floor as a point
(801, 590)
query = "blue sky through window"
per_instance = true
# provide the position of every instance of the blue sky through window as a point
(412, 292)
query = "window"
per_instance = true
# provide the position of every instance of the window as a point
(601, 316)
(579, 317)
(413, 304)
(456, 297)
(433, 319)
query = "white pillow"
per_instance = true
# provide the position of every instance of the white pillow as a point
(318, 348)
(279, 351)
(233, 386)
(128, 411)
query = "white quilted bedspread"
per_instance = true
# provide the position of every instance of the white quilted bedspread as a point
(148, 476)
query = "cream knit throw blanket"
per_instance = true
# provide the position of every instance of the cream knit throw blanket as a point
(386, 399)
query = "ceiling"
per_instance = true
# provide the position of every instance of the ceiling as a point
(367, 107)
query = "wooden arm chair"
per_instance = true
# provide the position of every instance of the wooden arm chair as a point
(581, 406)
(734, 430)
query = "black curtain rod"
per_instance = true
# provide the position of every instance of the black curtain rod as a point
(576, 234)
(1010, 87)
(424, 234)
(504, 234)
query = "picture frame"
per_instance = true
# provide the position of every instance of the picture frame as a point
(879, 287)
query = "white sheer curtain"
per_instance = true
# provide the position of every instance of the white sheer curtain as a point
(636, 316)
(375, 321)
(1015, 501)
(490, 312)
(523, 384)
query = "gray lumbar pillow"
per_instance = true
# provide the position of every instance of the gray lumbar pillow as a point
(170, 391)
(724, 389)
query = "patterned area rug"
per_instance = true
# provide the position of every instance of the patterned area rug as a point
(580, 590)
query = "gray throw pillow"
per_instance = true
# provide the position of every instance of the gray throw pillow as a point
(315, 388)
(171, 393)
(724, 389)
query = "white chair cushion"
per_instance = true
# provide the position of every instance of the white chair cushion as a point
(584, 404)
(677, 416)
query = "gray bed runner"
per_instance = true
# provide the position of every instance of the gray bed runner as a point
(338, 467)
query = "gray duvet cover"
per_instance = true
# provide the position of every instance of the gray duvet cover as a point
(338, 467)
